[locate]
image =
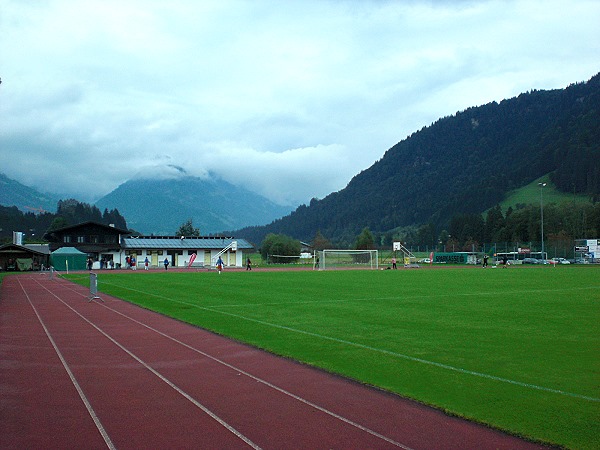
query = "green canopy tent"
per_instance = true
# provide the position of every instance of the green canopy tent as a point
(68, 258)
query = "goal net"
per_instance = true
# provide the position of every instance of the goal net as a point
(282, 259)
(339, 259)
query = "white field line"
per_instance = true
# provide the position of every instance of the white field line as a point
(410, 297)
(374, 349)
(161, 377)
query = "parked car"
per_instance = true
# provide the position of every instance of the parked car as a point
(531, 261)
(560, 261)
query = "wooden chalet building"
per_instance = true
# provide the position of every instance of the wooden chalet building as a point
(100, 242)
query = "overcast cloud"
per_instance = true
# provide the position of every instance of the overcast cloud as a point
(288, 98)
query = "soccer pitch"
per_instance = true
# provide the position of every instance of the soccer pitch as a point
(516, 349)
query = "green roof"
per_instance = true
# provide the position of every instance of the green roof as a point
(67, 251)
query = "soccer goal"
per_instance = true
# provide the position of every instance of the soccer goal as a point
(338, 259)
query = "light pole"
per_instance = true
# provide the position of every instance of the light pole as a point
(542, 185)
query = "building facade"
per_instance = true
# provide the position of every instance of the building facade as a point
(110, 247)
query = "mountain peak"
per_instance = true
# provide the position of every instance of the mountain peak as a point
(159, 204)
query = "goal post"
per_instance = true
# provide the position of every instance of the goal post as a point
(357, 259)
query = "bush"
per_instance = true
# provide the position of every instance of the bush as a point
(279, 244)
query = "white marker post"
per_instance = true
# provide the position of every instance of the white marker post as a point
(94, 287)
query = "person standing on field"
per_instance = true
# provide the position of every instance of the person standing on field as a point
(166, 263)
(248, 264)
(219, 265)
(146, 262)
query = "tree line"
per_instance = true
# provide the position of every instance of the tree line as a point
(516, 227)
(69, 212)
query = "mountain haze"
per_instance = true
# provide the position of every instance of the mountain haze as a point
(159, 207)
(27, 199)
(463, 164)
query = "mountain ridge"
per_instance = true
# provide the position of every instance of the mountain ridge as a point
(465, 163)
(461, 164)
(25, 198)
(160, 206)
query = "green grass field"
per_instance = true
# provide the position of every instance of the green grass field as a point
(530, 195)
(517, 349)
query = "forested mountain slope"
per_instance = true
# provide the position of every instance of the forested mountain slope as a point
(27, 199)
(463, 164)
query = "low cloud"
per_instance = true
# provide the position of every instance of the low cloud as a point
(289, 99)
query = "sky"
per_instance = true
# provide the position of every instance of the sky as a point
(289, 99)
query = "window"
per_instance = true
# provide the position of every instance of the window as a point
(66, 238)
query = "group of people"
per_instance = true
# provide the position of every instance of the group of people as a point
(131, 263)
(104, 264)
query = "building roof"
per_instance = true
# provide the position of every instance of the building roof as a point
(67, 251)
(28, 248)
(84, 226)
(38, 248)
(191, 243)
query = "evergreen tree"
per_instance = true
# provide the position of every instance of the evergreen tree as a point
(187, 230)
(319, 242)
(365, 240)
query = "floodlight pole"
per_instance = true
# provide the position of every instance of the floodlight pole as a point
(542, 185)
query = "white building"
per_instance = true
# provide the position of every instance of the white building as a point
(179, 251)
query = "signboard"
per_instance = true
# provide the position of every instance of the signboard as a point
(397, 246)
(594, 248)
(582, 249)
(451, 258)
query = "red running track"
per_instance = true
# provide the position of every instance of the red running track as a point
(80, 374)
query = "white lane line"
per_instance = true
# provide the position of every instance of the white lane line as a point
(378, 350)
(83, 397)
(162, 378)
(262, 381)
(265, 382)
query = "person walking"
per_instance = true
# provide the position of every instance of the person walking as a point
(219, 265)
(248, 264)
(166, 263)
(146, 262)
(394, 266)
